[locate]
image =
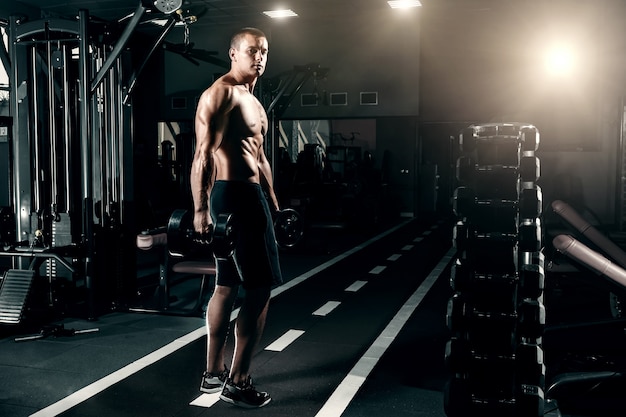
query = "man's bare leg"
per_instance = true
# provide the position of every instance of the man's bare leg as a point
(248, 330)
(218, 322)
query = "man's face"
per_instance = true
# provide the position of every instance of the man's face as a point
(251, 56)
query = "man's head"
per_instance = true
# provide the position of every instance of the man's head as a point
(248, 51)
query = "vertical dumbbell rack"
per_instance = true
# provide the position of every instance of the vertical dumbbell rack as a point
(496, 314)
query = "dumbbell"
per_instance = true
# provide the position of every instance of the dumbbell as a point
(460, 400)
(530, 138)
(525, 363)
(529, 365)
(464, 278)
(530, 235)
(461, 357)
(467, 139)
(183, 240)
(531, 319)
(461, 236)
(462, 315)
(529, 168)
(463, 201)
(288, 228)
(530, 316)
(465, 167)
(530, 202)
(531, 281)
(496, 181)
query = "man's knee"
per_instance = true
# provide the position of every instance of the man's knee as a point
(257, 297)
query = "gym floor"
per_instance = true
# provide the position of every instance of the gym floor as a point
(358, 329)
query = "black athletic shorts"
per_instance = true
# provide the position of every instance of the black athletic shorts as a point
(255, 259)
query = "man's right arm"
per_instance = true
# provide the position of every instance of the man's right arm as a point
(208, 129)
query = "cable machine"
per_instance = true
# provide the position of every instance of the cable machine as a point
(72, 167)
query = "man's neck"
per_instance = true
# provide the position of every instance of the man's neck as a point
(247, 82)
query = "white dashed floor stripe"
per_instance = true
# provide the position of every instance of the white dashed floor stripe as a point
(418, 239)
(408, 247)
(285, 340)
(326, 308)
(357, 285)
(394, 257)
(378, 269)
(347, 390)
(206, 400)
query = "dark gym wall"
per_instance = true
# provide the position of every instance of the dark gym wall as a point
(488, 65)
(364, 53)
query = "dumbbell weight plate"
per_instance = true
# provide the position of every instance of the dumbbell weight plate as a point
(288, 228)
(530, 138)
(224, 236)
(178, 227)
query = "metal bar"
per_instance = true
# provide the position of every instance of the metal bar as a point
(280, 92)
(36, 189)
(19, 102)
(52, 131)
(97, 122)
(4, 58)
(119, 46)
(86, 163)
(133, 81)
(27, 28)
(29, 254)
(119, 160)
(67, 125)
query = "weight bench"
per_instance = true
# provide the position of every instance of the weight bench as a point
(157, 239)
(572, 388)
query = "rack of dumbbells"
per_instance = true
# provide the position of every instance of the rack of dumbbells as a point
(496, 314)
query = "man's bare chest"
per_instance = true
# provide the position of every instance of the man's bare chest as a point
(253, 116)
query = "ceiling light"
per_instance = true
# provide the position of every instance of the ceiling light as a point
(278, 14)
(404, 4)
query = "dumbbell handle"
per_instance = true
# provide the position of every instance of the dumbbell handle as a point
(203, 238)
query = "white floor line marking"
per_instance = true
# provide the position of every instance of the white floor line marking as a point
(434, 227)
(100, 385)
(426, 233)
(418, 239)
(408, 247)
(206, 400)
(394, 257)
(285, 340)
(357, 285)
(346, 391)
(377, 269)
(297, 280)
(326, 308)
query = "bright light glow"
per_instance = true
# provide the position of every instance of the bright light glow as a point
(279, 14)
(560, 60)
(404, 4)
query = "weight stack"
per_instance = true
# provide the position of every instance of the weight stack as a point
(496, 314)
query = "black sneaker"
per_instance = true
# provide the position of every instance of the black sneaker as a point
(212, 383)
(244, 394)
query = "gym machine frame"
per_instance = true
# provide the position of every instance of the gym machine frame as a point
(72, 130)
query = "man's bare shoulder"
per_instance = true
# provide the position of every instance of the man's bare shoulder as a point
(219, 90)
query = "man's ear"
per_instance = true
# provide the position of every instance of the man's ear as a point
(231, 54)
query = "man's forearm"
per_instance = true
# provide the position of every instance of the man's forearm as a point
(200, 182)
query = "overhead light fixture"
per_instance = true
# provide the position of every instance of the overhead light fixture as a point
(279, 14)
(404, 4)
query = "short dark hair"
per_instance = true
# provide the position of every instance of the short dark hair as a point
(236, 39)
